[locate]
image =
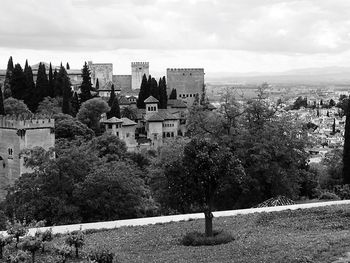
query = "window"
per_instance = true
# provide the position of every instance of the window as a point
(110, 126)
(149, 108)
(10, 152)
(172, 134)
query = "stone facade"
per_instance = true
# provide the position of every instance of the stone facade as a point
(101, 71)
(138, 69)
(15, 136)
(122, 82)
(188, 82)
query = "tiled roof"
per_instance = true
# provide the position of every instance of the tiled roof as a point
(128, 122)
(123, 101)
(151, 99)
(177, 104)
(166, 114)
(156, 117)
(113, 120)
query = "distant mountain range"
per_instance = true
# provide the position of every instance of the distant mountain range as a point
(329, 75)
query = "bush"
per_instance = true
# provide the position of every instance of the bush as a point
(63, 251)
(100, 255)
(343, 191)
(31, 244)
(75, 239)
(329, 196)
(19, 257)
(45, 237)
(199, 239)
(17, 230)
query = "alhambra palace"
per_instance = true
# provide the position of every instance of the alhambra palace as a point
(150, 128)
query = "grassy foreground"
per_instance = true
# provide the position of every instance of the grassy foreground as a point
(309, 235)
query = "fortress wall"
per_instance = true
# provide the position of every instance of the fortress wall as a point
(138, 69)
(101, 71)
(123, 82)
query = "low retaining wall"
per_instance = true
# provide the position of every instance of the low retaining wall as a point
(175, 218)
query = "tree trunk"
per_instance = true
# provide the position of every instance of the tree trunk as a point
(33, 256)
(1, 252)
(76, 251)
(208, 223)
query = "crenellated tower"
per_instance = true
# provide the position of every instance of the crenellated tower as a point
(17, 134)
(138, 69)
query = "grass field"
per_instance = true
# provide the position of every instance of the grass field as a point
(309, 235)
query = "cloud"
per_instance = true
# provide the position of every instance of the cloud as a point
(272, 26)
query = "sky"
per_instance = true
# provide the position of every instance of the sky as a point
(217, 35)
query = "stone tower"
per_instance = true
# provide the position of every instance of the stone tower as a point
(138, 69)
(15, 136)
(188, 82)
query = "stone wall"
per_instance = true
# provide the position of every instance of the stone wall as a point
(101, 71)
(187, 81)
(122, 82)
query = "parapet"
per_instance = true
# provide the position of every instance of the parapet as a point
(186, 69)
(11, 122)
(137, 64)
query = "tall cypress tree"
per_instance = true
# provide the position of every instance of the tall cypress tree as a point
(67, 66)
(111, 97)
(163, 98)
(2, 109)
(346, 151)
(154, 88)
(142, 94)
(97, 86)
(67, 92)
(86, 86)
(75, 104)
(8, 78)
(51, 92)
(18, 85)
(56, 90)
(148, 87)
(29, 97)
(115, 109)
(173, 95)
(42, 83)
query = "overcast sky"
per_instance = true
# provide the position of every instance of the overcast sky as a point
(219, 35)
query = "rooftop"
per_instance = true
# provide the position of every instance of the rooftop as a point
(151, 99)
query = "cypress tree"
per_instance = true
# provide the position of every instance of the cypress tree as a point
(148, 87)
(67, 93)
(111, 97)
(86, 86)
(75, 104)
(29, 96)
(51, 92)
(2, 109)
(142, 94)
(8, 78)
(333, 126)
(42, 83)
(18, 85)
(97, 86)
(173, 95)
(115, 109)
(56, 89)
(67, 66)
(346, 151)
(154, 89)
(163, 98)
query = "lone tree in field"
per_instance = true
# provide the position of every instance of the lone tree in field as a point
(207, 167)
(346, 152)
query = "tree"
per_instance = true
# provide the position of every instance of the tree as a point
(115, 109)
(31, 244)
(86, 86)
(112, 96)
(173, 95)
(143, 93)
(18, 85)
(97, 86)
(346, 151)
(331, 103)
(75, 104)
(2, 109)
(163, 97)
(154, 90)
(67, 93)
(75, 239)
(206, 168)
(128, 112)
(8, 79)
(49, 106)
(13, 106)
(71, 129)
(42, 85)
(67, 66)
(300, 102)
(51, 91)
(29, 94)
(90, 113)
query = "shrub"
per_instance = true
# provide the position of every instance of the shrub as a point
(3, 242)
(264, 218)
(17, 230)
(63, 252)
(31, 244)
(343, 191)
(199, 239)
(45, 237)
(100, 255)
(75, 239)
(19, 257)
(328, 196)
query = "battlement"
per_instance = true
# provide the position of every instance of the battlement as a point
(137, 64)
(10, 122)
(186, 69)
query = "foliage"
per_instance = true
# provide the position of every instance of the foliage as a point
(44, 237)
(17, 229)
(8, 79)
(49, 106)
(128, 112)
(346, 149)
(64, 251)
(71, 129)
(2, 109)
(19, 257)
(300, 102)
(86, 86)
(76, 239)
(31, 244)
(144, 93)
(199, 239)
(42, 85)
(90, 113)
(163, 97)
(15, 107)
(328, 196)
(173, 95)
(3, 242)
(343, 191)
(115, 109)
(100, 254)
